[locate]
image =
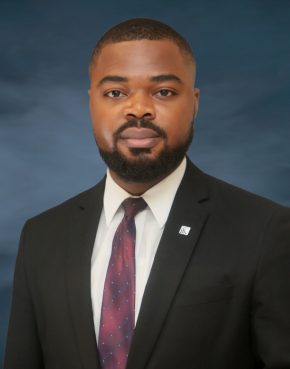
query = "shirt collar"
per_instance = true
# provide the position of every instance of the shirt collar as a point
(159, 197)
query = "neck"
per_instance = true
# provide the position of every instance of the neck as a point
(135, 188)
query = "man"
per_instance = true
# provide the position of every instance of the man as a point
(195, 276)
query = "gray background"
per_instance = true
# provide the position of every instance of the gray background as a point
(47, 151)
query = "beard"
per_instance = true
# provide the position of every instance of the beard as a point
(141, 168)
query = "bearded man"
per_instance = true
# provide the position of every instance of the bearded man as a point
(159, 266)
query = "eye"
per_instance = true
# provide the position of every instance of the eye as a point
(114, 94)
(164, 92)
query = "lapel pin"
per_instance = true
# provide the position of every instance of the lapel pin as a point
(184, 230)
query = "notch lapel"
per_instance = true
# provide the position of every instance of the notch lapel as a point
(172, 257)
(83, 228)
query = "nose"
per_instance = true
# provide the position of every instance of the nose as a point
(139, 106)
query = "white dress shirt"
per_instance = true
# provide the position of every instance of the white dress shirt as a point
(149, 228)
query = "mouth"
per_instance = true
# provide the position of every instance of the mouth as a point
(140, 138)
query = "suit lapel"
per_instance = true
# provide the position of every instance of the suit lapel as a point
(82, 232)
(172, 257)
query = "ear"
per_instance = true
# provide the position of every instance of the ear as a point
(89, 92)
(196, 94)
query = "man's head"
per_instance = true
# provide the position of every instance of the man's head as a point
(142, 29)
(142, 99)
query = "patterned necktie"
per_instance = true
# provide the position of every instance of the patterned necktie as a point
(118, 307)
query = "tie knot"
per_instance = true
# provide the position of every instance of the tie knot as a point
(132, 206)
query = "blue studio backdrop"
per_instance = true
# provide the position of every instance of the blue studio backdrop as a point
(47, 150)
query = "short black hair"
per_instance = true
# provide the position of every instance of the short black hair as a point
(142, 29)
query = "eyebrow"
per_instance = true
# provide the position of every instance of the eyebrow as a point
(165, 78)
(158, 78)
(112, 79)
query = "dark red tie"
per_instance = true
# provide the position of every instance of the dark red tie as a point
(118, 307)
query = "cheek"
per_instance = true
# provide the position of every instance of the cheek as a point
(103, 135)
(103, 130)
(178, 135)
(177, 112)
(107, 135)
(177, 125)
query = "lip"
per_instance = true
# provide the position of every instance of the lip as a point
(143, 138)
(138, 133)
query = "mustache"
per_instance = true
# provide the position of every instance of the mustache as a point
(140, 123)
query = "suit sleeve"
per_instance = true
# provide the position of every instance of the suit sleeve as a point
(23, 348)
(271, 294)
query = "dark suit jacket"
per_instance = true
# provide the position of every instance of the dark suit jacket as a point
(218, 298)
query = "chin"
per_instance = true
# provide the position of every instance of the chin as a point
(142, 152)
(142, 166)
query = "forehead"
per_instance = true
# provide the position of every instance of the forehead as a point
(142, 58)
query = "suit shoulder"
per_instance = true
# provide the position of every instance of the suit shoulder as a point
(241, 200)
(62, 210)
